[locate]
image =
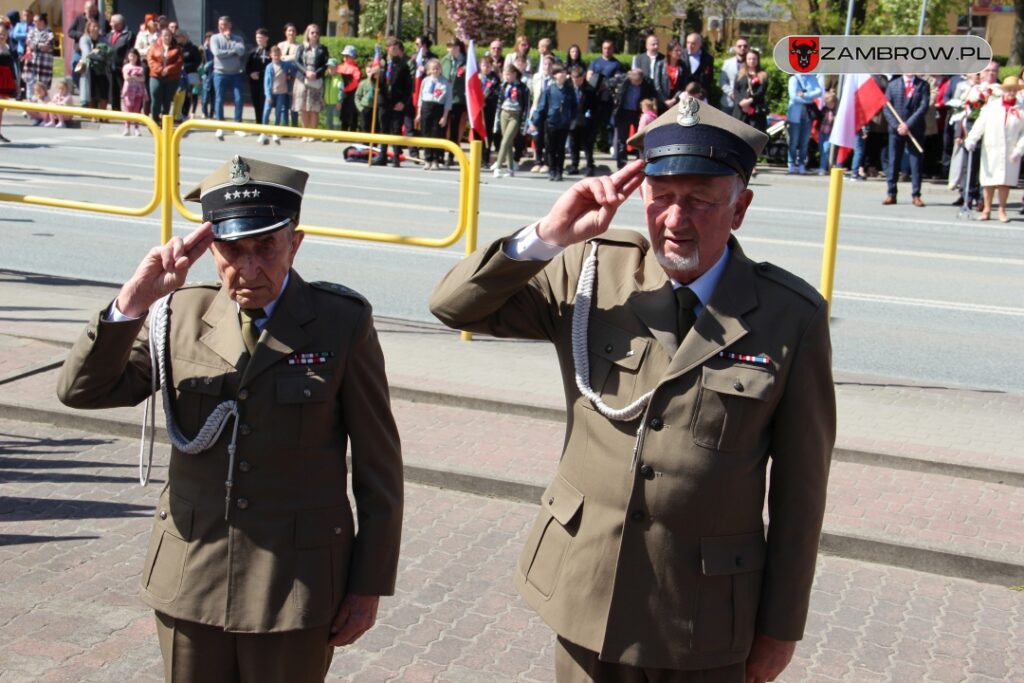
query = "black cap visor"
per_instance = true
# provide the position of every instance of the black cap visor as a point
(686, 165)
(232, 229)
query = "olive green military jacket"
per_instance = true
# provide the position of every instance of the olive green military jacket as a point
(666, 565)
(289, 550)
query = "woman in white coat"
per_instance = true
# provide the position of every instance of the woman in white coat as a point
(1000, 129)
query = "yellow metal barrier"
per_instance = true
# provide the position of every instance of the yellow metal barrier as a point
(158, 165)
(828, 255)
(469, 174)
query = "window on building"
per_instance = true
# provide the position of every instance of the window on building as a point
(535, 29)
(756, 33)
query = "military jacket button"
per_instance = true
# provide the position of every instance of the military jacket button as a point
(91, 335)
(243, 394)
(647, 472)
(242, 503)
(337, 531)
(655, 423)
(307, 393)
(551, 500)
(738, 386)
(245, 430)
(609, 348)
(244, 466)
(163, 514)
(638, 515)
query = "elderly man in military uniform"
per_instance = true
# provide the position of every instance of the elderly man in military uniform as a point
(686, 367)
(255, 565)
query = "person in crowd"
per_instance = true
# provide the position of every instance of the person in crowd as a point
(206, 75)
(40, 45)
(1000, 132)
(61, 98)
(276, 87)
(148, 34)
(165, 67)
(909, 97)
(396, 96)
(667, 73)
(538, 84)
(19, 33)
(544, 50)
(453, 68)
(648, 113)
(78, 29)
(700, 65)
(434, 105)
(513, 103)
(96, 56)
(974, 97)
(731, 68)
(635, 88)
(556, 112)
(581, 135)
(9, 76)
(308, 89)
(364, 99)
(803, 90)
(599, 73)
(495, 50)
(120, 39)
(289, 48)
(40, 95)
(192, 58)
(648, 557)
(134, 92)
(490, 82)
(574, 57)
(750, 91)
(255, 66)
(647, 60)
(351, 75)
(228, 50)
(334, 91)
(828, 117)
(522, 50)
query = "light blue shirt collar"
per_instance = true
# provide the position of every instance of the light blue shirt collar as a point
(269, 308)
(704, 286)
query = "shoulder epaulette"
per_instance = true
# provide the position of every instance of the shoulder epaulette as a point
(340, 290)
(200, 285)
(789, 281)
(623, 237)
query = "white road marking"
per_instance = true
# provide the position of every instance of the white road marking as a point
(930, 303)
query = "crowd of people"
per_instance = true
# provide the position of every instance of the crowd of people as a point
(554, 109)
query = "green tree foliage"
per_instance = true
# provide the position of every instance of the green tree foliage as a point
(373, 15)
(632, 19)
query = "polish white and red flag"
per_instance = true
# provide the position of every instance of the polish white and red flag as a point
(861, 99)
(475, 95)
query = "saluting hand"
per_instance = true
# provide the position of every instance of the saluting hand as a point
(162, 271)
(356, 616)
(587, 208)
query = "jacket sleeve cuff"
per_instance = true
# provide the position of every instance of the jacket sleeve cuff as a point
(526, 245)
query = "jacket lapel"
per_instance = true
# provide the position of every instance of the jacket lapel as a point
(225, 335)
(721, 322)
(284, 333)
(655, 304)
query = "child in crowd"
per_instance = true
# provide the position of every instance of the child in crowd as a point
(133, 92)
(39, 96)
(555, 111)
(828, 116)
(648, 112)
(491, 82)
(8, 72)
(277, 79)
(334, 91)
(435, 102)
(63, 98)
(364, 100)
(206, 77)
(512, 105)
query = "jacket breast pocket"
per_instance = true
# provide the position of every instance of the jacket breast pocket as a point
(732, 407)
(199, 392)
(548, 544)
(615, 358)
(323, 544)
(730, 588)
(168, 547)
(305, 406)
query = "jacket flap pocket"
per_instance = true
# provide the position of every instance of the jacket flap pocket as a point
(174, 514)
(314, 528)
(739, 380)
(722, 555)
(615, 344)
(303, 388)
(562, 500)
(209, 384)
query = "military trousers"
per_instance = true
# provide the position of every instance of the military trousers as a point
(197, 653)
(575, 664)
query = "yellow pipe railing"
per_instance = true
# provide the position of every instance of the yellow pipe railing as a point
(828, 255)
(158, 183)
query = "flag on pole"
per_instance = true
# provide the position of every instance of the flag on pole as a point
(376, 56)
(474, 95)
(861, 100)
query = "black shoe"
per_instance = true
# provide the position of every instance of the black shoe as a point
(381, 160)
(589, 172)
(558, 177)
(959, 201)
(572, 170)
(551, 176)
(396, 163)
(3, 139)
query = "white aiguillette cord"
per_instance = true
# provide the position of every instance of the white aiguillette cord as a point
(159, 337)
(581, 359)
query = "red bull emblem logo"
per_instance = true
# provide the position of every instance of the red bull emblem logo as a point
(803, 53)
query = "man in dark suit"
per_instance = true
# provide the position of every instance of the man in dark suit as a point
(686, 368)
(648, 59)
(630, 91)
(584, 128)
(121, 39)
(908, 95)
(395, 96)
(698, 65)
(257, 574)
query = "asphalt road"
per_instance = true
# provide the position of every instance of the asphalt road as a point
(920, 296)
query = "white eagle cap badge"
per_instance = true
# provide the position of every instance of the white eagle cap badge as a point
(239, 171)
(688, 108)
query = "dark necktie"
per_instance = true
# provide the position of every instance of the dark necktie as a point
(686, 302)
(250, 332)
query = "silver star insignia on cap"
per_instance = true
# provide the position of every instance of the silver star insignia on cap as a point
(688, 108)
(239, 171)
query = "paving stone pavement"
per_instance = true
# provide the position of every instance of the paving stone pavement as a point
(74, 525)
